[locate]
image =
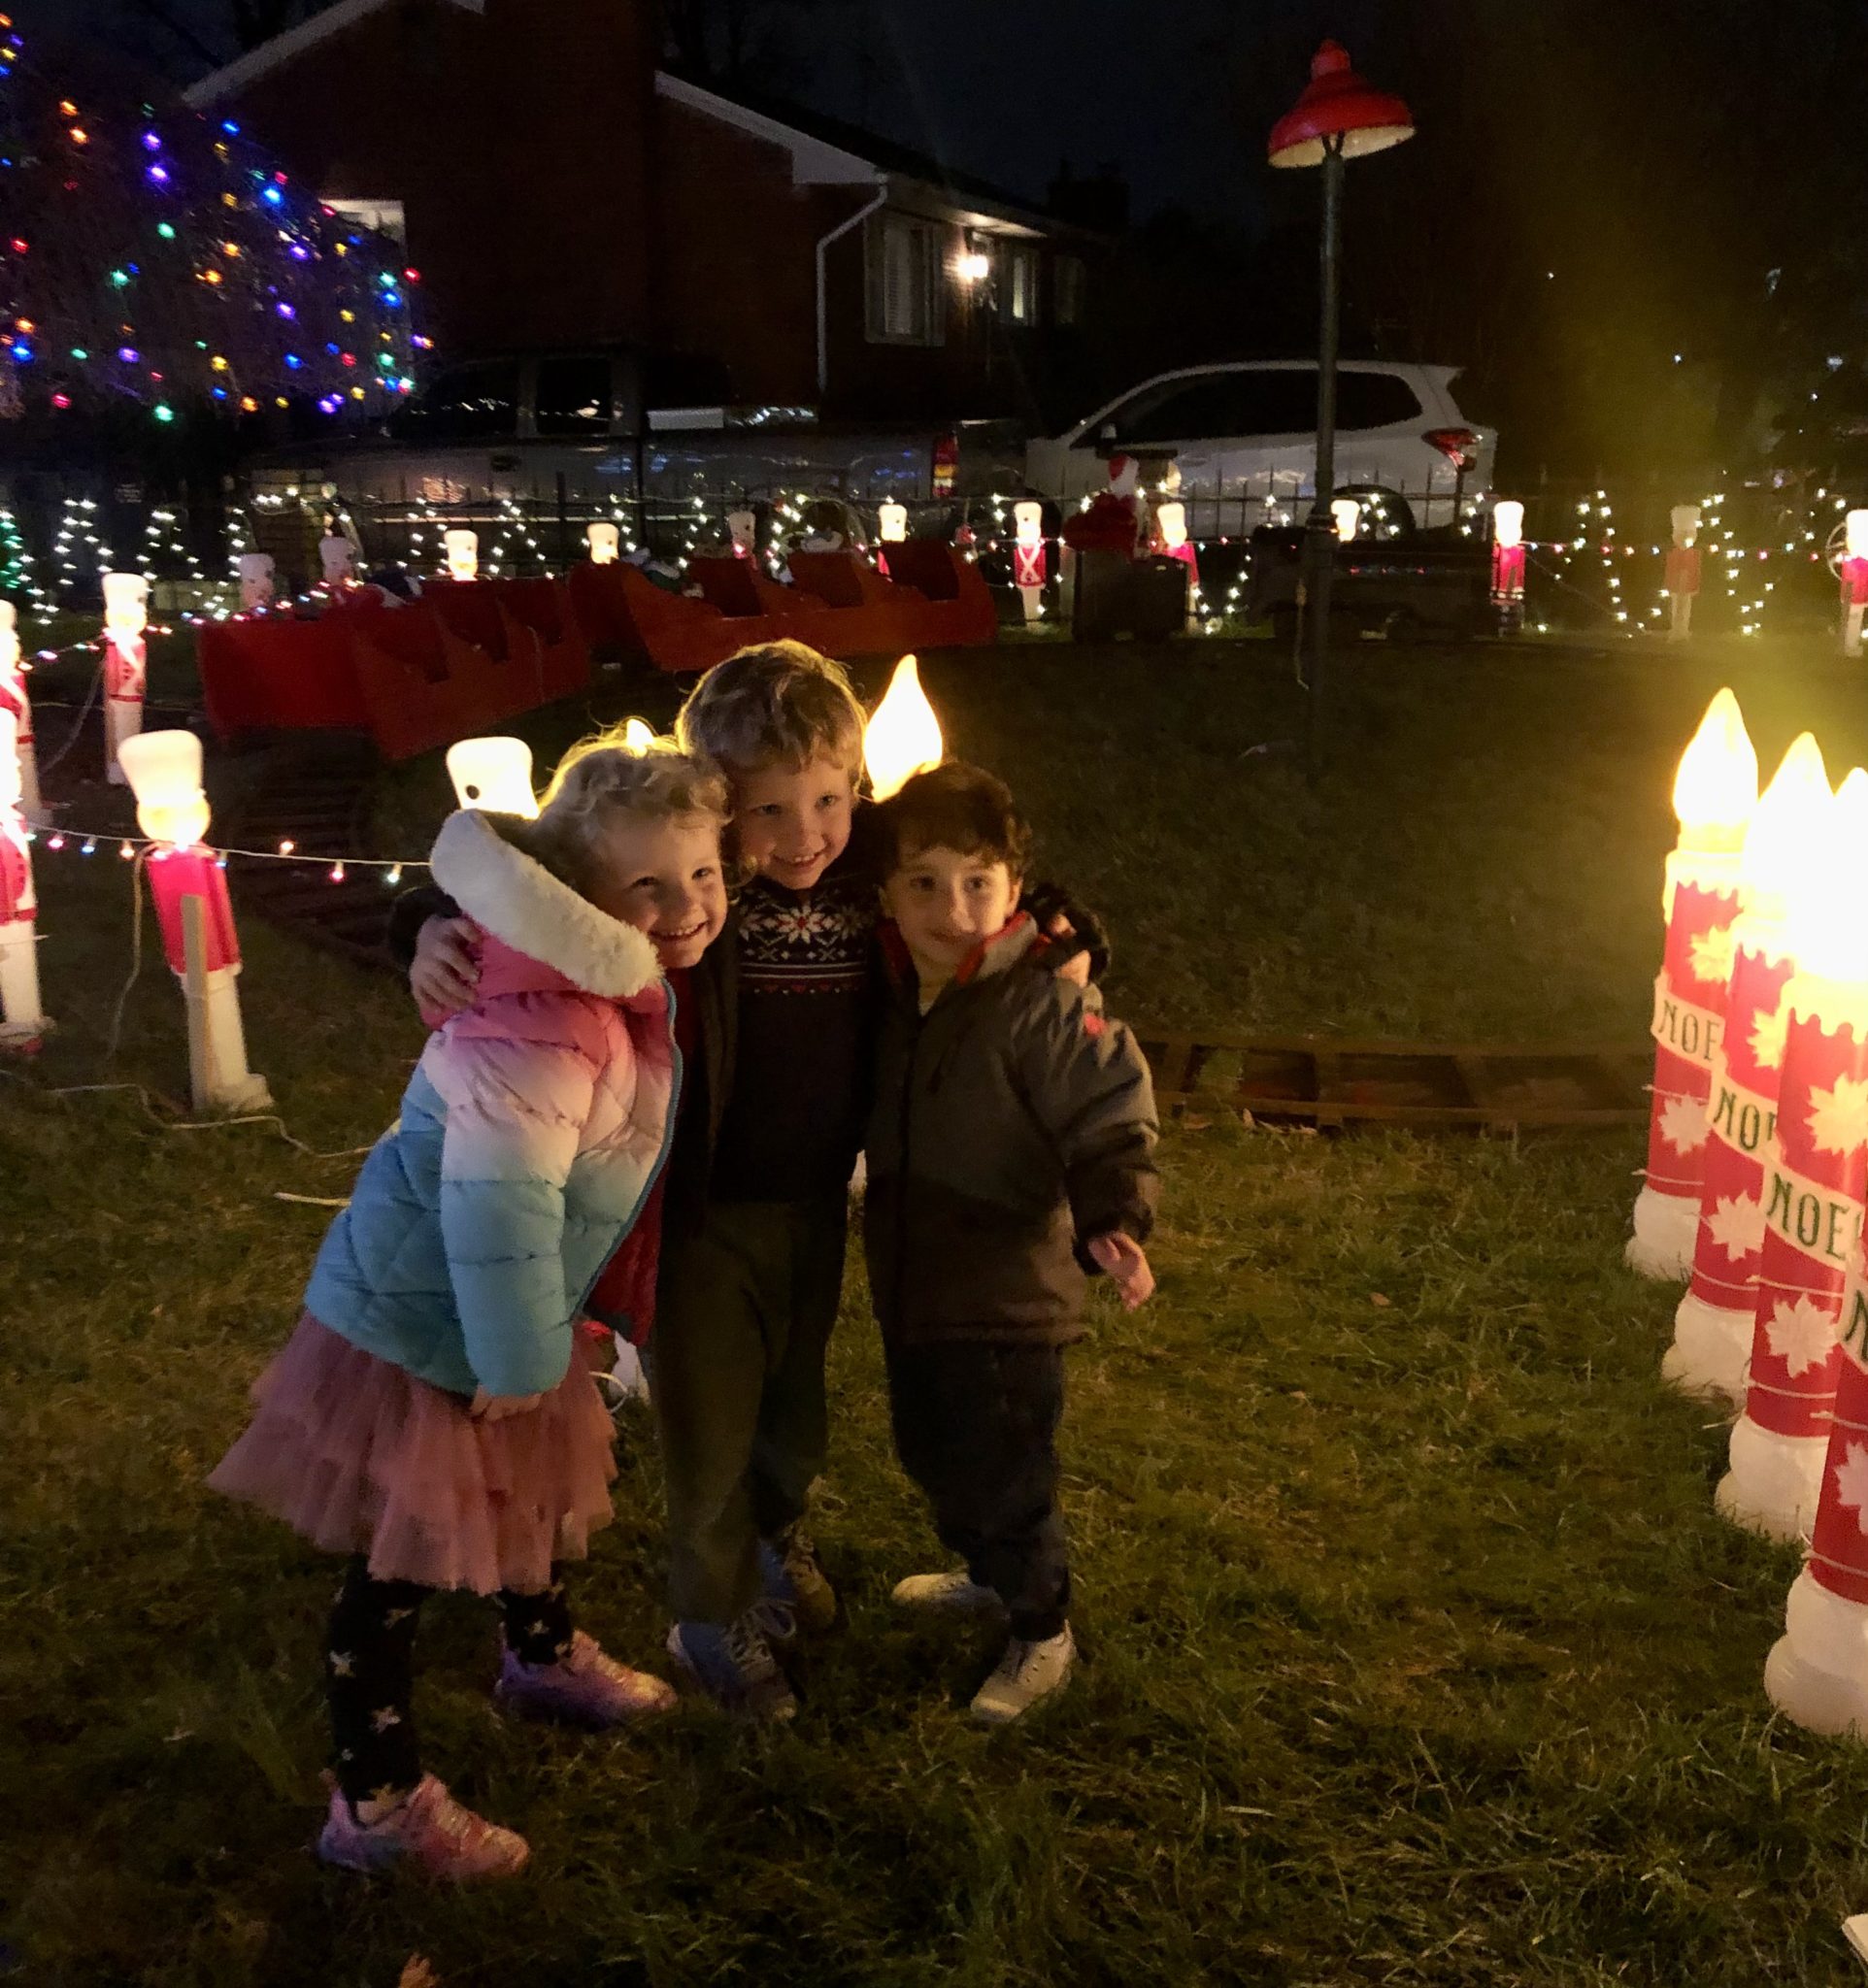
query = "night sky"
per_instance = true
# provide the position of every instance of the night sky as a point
(1590, 219)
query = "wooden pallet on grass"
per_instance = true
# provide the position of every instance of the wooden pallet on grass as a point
(1329, 1081)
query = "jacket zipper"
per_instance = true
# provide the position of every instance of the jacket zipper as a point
(904, 1127)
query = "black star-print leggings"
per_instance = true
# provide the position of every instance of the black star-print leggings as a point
(369, 1670)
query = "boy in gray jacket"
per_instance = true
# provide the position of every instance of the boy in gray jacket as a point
(1011, 1153)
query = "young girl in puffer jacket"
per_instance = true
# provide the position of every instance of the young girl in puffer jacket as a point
(428, 1417)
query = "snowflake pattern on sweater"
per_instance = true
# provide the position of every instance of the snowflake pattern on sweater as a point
(816, 942)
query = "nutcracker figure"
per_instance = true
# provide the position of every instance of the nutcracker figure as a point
(1028, 558)
(1854, 574)
(125, 664)
(256, 582)
(1171, 536)
(604, 543)
(494, 774)
(165, 771)
(16, 701)
(891, 529)
(463, 553)
(1715, 794)
(23, 1021)
(1683, 571)
(337, 561)
(1507, 565)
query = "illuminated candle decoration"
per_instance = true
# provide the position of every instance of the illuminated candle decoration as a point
(1347, 513)
(256, 582)
(1508, 564)
(1817, 1672)
(165, 771)
(743, 528)
(22, 1021)
(1028, 558)
(1815, 1178)
(1683, 571)
(494, 774)
(1854, 574)
(604, 543)
(903, 735)
(461, 549)
(637, 737)
(1713, 1328)
(125, 664)
(337, 560)
(17, 702)
(1715, 794)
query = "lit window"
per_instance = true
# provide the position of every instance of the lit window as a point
(1018, 277)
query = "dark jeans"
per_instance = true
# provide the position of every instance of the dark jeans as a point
(976, 1427)
(743, 1310)
(369, 1672)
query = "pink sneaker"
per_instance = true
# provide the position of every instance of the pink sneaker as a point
(587, 1688)
(430, 1830)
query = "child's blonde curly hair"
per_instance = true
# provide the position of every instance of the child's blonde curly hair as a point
(598, 778)
(779, 704)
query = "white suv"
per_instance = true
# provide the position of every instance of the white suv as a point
(1244, 439)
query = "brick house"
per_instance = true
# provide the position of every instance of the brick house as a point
(557, 187)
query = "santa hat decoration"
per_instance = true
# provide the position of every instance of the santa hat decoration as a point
(17, 702)
(1124, 476)
(1715, 793)
(1815, 1181)
(1713, 1327)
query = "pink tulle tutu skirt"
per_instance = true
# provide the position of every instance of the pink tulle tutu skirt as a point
(361, 1457)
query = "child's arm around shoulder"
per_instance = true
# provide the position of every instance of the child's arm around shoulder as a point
(518, 1077)
(1089, 1082)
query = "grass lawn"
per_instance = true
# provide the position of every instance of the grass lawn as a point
(1416, 1653)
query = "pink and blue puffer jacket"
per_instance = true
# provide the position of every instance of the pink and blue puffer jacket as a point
(528, 1141)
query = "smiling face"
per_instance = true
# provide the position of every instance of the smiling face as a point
(946, 903)
(664, 878)
(792, 825)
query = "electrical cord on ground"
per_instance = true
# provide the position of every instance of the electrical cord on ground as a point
(78, 723)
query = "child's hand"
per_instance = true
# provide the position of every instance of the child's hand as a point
(1076, 968)
(495, 1407)
(445, 973)
(1127, 1263)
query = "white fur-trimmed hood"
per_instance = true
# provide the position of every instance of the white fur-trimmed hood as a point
(519, 902)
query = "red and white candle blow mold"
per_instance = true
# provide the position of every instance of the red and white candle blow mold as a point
(1715, 793)
(1713, 1328)
(17, 702)
(1814, 1179)
(126, 664)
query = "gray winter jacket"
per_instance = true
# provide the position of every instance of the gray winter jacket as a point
(1013, 1121)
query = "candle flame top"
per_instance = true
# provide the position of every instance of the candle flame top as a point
(1829, 905)
(1792, 817)
(903, 735)
(637, 737)
(495, 774)
(1716, 788)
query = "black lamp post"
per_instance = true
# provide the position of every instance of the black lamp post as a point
(1338, 117)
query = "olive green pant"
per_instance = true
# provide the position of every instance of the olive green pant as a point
(745, 1305)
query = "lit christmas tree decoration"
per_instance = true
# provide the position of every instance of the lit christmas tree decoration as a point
(159, 259)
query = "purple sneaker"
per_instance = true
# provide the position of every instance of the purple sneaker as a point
(431, 1832)
(586, 1688)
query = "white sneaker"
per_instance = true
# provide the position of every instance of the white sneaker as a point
(944, 1594)
(1027, 1673)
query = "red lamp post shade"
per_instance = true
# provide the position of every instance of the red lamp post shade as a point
(1338, 104)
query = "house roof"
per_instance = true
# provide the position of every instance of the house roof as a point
(811, 136)
(249, 68)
